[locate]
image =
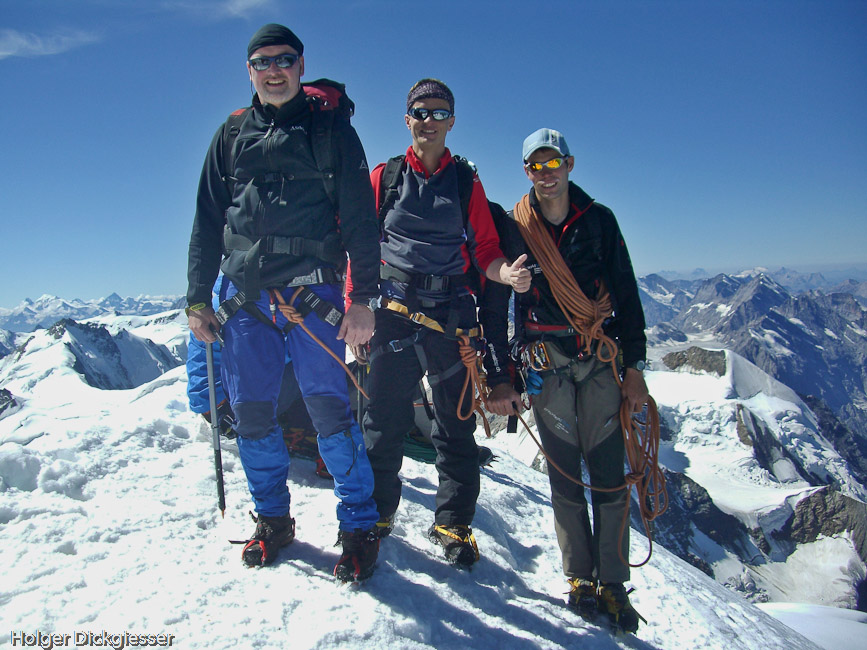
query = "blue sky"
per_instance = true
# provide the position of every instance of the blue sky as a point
(723, 134)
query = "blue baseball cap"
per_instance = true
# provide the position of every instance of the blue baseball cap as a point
(545, 139)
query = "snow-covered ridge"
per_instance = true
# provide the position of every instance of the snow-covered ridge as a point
(109, 352)
(755, 450)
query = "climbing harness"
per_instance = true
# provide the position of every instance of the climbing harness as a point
(324, 275)
(471, 348)
(297, 316)
(420, 319)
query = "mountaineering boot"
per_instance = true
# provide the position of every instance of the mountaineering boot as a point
(385, 525)
(358, 560)
(614, 601)
(486, 456)
(457, 542)
(583, 598)
(271, 533)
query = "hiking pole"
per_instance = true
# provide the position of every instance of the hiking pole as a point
(215, 427)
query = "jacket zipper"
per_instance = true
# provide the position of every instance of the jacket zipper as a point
(260, 227)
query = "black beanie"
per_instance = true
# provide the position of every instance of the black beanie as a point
(274, 34)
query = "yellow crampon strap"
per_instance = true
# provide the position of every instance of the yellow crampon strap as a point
(430, 323)
(463, 540)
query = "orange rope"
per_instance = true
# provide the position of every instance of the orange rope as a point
(470, 357)
(586, 316)
(294, 316)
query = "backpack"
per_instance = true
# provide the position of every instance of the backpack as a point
(328, 101)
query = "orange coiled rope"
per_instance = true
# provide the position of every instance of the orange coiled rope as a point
(584, 315)
(294, 316)
(587, 316)
(470, 358)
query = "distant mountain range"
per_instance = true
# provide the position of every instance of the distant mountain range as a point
(814, 342)
(832, 279)
(31, 315)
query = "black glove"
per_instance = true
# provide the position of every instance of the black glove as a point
(225, 420)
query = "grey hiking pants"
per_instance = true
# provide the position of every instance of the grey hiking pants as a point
(577, 414)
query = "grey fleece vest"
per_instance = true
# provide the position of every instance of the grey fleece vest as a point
(424, 231)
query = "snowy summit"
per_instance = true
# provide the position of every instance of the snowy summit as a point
(109, 527)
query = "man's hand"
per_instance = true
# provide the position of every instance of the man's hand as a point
(357, 326)
(516, 275)
(504, 400)
(201, 321)
(361, 353)
(633, 390)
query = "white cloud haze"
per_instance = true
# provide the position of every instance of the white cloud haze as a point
(15, 43)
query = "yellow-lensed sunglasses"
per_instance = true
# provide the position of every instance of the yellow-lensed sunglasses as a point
(554, 163)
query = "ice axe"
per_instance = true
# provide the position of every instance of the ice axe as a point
(215, 423)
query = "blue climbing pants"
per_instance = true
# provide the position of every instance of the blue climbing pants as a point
(254, 357)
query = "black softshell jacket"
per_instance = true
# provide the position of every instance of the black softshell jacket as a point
(278, 190)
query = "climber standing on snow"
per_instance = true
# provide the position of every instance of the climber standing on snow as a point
(577, 255)
(278, 205)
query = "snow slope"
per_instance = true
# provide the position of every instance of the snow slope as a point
(108, 522)
(706, 411)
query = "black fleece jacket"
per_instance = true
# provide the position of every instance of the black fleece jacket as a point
(594, 252)
(278, 190)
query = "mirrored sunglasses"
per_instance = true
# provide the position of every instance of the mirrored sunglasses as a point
(262, 63)
(439, 114)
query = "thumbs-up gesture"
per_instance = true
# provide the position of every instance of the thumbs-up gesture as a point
(516, 275)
